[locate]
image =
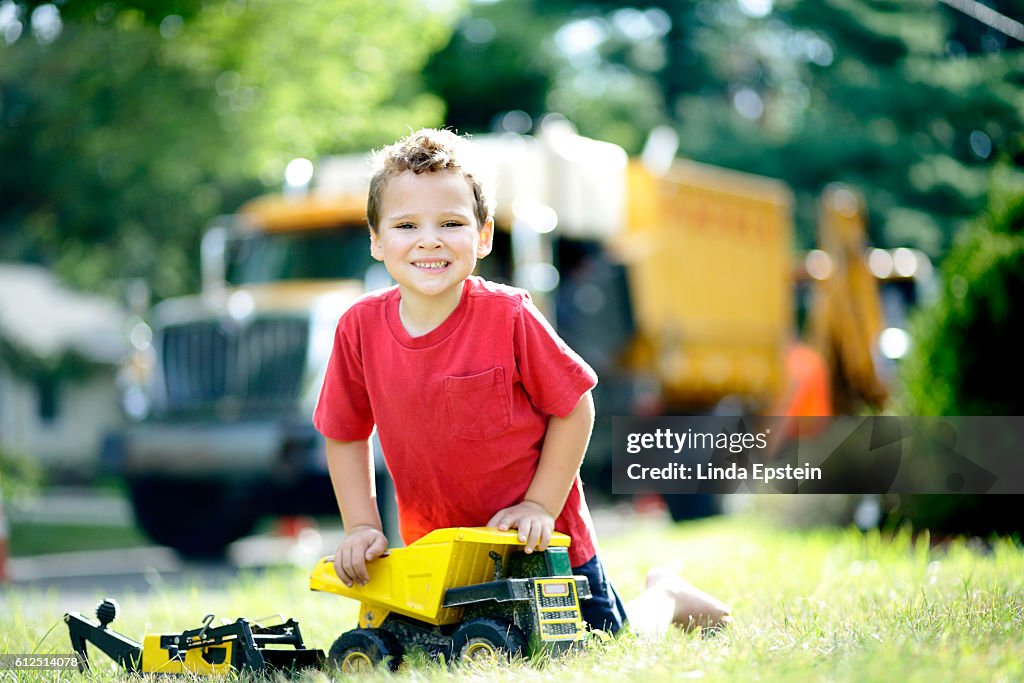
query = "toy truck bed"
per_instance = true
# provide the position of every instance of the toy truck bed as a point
(412, 581)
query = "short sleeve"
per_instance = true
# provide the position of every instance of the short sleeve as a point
(553, 375)
(343, 412)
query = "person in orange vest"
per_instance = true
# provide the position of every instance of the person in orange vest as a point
(808, 392)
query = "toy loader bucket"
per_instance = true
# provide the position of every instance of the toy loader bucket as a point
(413, 580)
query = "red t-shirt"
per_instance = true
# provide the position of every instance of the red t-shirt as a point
(461, 411)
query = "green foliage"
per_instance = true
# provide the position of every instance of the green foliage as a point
(866, 93)
(20, 475)
(141, 119)
(567, 57)
(967, 343)
(138, 121)
(29, 538)
(30, 367)
(494, 63)
(103, 188)
(305, 78)
(966, 347)
(911, 102)
(152, 11)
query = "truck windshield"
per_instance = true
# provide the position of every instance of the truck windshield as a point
(332, 254)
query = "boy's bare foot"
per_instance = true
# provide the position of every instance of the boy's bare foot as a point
(693, 607)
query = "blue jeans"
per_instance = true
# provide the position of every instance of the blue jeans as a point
(604, 610)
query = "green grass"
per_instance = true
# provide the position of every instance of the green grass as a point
(820, 605)
(37, 539)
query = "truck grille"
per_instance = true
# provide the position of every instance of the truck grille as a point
(220, 367)
(559, 630)
(563, 601)
(558, 615)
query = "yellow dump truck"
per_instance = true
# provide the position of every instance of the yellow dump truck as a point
(676, 275)
(460, 593)
(683, 289)
(708, 254)
(679, 280)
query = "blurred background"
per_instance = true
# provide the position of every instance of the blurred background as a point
(726, 206)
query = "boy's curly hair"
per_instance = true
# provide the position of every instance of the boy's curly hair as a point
(426, 151)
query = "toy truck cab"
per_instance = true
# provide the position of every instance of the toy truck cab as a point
(463, 593)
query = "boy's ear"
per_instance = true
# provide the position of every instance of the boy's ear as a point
(486, 238)
(375, 250)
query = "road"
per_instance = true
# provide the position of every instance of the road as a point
(82, 578)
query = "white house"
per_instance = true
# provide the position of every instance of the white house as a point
(61, 421)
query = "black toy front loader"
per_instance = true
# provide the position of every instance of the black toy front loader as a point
(241, 645)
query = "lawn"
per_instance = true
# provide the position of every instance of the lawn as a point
(39, 539)
(833, 605)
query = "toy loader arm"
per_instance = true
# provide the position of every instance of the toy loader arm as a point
(242, 645)
(125, 651)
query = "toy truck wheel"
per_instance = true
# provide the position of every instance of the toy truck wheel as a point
(483, 638)
(362, 649)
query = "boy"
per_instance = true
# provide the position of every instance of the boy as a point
(483, 413)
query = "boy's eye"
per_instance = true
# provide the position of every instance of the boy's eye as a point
(405, 226)
(453, 224)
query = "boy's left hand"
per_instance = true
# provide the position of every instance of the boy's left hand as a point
(535, 524)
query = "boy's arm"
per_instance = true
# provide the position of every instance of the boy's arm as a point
(350, 464)
(565, 443)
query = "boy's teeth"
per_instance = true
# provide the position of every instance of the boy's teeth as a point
(434, 266)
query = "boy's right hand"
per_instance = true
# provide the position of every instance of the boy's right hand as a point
(361, 544)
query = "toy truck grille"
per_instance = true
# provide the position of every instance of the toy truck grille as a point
(558, 631)
(562, 614)
(558, 609)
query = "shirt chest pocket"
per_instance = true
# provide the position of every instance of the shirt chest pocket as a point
(478, 406)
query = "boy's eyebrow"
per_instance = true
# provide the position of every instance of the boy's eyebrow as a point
(412, 216)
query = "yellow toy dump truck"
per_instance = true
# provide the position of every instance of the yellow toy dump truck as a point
(464, 593)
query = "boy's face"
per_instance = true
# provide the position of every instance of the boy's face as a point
(427, 233)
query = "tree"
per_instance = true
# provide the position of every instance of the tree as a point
(912, 102)
(126, 126)
(968, 340)
(965, 352)
(534, 57)
(903, 113)
(118, 157)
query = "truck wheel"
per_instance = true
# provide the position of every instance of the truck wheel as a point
(197, 519)
(686, 506)
(363, 649)
(483, 639)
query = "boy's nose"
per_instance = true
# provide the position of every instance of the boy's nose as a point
(429, 239)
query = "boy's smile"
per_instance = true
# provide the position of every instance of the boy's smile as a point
(429, 238)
